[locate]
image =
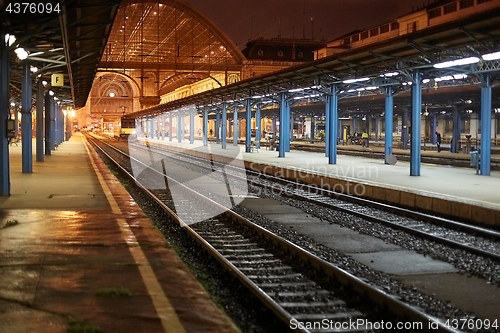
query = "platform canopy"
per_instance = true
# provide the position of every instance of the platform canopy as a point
(60, 37)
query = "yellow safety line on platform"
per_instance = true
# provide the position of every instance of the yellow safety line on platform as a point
(164, 309)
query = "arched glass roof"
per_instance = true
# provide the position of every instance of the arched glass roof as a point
(168, 35)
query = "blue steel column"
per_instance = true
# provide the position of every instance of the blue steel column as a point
(283, 135)
(217, 126)
(485, 155)
(26, 129)
(48, 122)
(434, 128)
(235, 127)
(61, 123)
(205, 127)
(171, 127)
(55, 127)
(152, 128)
(163, 125)
(258, 122)
(248, 126)
(416, 118)
(179, 127)
(4, 115)
(455, 138)
(39, 122)
(191, 126)
(389, 114)
(224, 126)
(327, 126)
(332, 125)
(286, 126)
(404, 129)
(53, 123)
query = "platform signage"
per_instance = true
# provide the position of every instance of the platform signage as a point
(57, 80)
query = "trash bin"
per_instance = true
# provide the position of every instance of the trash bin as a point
(474, 157)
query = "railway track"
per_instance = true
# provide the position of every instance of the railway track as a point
(303, 290)
(473, 239)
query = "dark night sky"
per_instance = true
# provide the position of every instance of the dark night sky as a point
(242, 20)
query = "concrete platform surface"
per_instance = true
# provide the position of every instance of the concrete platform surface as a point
(76, 239)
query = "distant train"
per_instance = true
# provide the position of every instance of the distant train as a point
(127, 127)
(430, 16)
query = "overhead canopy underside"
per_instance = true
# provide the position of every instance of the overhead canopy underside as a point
(69, 40)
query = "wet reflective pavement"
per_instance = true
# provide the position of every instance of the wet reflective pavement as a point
(78, 239)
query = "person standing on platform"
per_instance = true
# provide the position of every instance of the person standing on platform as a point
(438, 141)
(364, 136)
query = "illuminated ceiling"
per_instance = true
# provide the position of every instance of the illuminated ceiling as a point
(165, 43)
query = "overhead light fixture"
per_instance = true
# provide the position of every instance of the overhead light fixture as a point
(389, 74)
(356, 80)
(491, 56)
(458, 62)
(10, 39)
(21, 53)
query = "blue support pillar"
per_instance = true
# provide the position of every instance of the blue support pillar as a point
(152, 128)
(485, 154)
(205, 127)
(416, 118)
(170, 126)
(26, 128)
(52, 121)
(327, 126)
(290, 126)
(404, 129)
(217, 127)
(389, 114)
(312, 129)
(434, 128)
(235, 127)
(55, 127)
(191, 126)
(183, 131)
(248, 126)
(224, 126)
(258, 129)
(48, 123)
(163, 125)
(283, 132)
(286, 126)
(180, 127)
(4, 115)
(332, 128)
(39, 122)
(455, 138)
(61, 123)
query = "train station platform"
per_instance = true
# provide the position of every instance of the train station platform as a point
(440, 189)
(78, 254)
